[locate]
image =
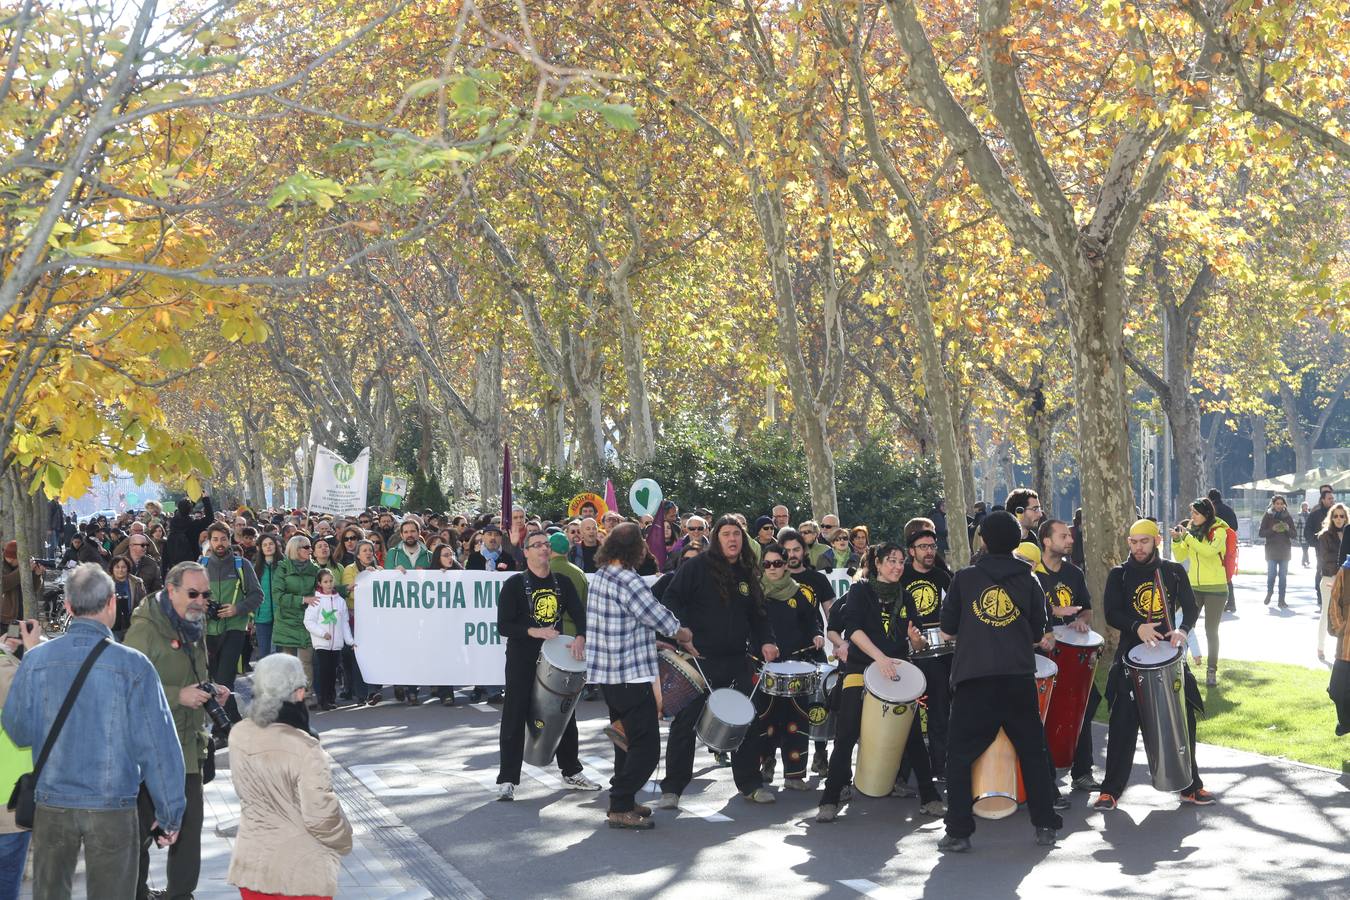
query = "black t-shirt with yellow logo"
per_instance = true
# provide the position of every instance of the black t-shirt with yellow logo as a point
(1067, 587)
(528, 601)
(1132, 598)
(925, 591)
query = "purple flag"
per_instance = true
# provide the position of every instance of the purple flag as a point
(656, 536)
(506, 486)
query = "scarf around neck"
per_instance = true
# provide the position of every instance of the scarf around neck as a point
(191, 632)
(783, 589)
(295, 715)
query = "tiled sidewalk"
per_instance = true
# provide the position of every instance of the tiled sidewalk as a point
(368, 872)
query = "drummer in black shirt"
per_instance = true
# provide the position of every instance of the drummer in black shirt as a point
(1066, 592)
(878, 623)
(529, 612)
(821, 594)
(996, 611)
(1132, 605)
(796, 629)
(925, 582)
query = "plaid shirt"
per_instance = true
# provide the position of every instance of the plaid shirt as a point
(622, 618)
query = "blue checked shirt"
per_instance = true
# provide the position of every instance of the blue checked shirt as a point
(622, 619)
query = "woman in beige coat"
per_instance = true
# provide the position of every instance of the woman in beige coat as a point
(292, 830)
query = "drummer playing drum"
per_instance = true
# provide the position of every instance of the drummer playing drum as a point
(796, 627)
(879, 625)
(1133, 604)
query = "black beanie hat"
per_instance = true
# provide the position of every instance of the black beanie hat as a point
(1000, 531)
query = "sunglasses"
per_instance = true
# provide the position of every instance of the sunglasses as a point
(349, 539)
(697, 528)
(193, 595)
(774, 564)
(304, 547)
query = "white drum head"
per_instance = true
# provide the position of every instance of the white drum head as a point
(558, 651)
(731, 706)
(1146, 657)
(790, 668)
(1074, 638)
(1045, 667)
(909, 686)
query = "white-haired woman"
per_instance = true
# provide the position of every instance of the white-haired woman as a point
(292, 831)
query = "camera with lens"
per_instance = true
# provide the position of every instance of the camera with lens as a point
(213, 609)
(219, 718)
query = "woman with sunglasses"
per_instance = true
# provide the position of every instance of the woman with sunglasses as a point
(796, 629)
(292, 591)
(345, 554)
(1329, 557)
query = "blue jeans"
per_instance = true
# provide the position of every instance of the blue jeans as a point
(263, 633)
(1275, 567)
(13, 856)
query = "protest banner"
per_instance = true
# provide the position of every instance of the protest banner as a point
(339, 487)
(430, 627)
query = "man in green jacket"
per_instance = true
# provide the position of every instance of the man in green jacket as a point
(235, 594)
(558, 545)
(410, 552)
(168, 627)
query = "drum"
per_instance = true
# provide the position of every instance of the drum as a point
(725, 719)
(558, 680)
(937, 645)
(818, 713)
(1158, 676)
(788, 679)
(887, 716)
(681, 682)
(1047, 681)
(1076, 653)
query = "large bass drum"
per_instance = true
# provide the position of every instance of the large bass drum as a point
(1158, 678)
(1076, 653)
(558, 680)
(887, 716)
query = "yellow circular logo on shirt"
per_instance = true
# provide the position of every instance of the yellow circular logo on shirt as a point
(545, 606)
(744, 589)
(925, 596)
(1147, 602)
(994, 607)
(809, 594)
(1063, 596)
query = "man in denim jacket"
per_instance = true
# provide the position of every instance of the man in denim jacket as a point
(119, 733)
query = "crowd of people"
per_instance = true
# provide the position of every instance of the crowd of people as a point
(204, 597)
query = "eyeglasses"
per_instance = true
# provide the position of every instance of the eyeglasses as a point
(536, 545)
(350, 539)
(925, 546)
(774, 564)
(304, 547)
(193, 595)
(139, 544)
(806, 531)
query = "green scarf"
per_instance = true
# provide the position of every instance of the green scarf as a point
(784, 588)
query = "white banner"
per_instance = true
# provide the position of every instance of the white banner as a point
(430, 627)
(338, 486)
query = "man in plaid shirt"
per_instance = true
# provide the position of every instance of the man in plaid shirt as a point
(623, 619)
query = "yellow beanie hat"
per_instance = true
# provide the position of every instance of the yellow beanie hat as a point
(1030, 552)
(1145, 527)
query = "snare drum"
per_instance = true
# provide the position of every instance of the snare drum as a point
(1158, 676)
(725, 720)
(788, 679)
(887, 717)
(937, 645)
(681, 682)
(818, 713)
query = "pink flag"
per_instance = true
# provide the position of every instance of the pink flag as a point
(610, 500)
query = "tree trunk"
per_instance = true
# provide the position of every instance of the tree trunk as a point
(641, 431)
(1258, 448)
(21, 522)
(1040, 432)
(487, 409)
(589, 427)
(819, 464)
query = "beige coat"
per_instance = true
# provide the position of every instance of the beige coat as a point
(1338, 614)
(292, 830)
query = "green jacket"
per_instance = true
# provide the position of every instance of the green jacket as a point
(1206, 570)
(292, 582)
(153, 634)
(398, 556)
(233, 582)
(560, 566)
(263, 615)
(816, 551)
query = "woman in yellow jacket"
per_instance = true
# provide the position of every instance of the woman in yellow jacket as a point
(1203, 541)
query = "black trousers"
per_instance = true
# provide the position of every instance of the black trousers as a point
(847, 729)
(1123, 733)
(1082, 754)
(185, 855)
(326, 664)
(634, 705)
(938, 671)
(785, 730)
(223, 652)
(981, 707)
(720, 672)
(520, 666)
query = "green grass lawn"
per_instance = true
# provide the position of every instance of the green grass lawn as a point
(1268, 708)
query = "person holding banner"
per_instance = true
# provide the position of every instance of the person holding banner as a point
(529, 612)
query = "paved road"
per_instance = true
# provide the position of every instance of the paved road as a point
(1271, 634)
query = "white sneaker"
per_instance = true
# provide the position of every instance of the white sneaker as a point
(580, 782)
(667, 801)
(506, 791)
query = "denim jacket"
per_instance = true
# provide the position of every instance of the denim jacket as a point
(119, 732)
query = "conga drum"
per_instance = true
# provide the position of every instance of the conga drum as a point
(887, 716)
(996, 777)
(1158, 677)
(1076, 653)
(1047, 682)
(558, 680)
(680, 682)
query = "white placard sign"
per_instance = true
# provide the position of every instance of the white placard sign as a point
(430, 627)
(338, 486)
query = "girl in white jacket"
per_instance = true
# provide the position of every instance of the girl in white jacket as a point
(329, 630)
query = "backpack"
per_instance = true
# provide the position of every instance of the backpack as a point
(1230, 552)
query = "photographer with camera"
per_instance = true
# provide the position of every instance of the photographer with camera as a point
(169, 628)
(117, 716)
(235, 594)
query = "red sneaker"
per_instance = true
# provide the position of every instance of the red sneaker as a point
(1201, 797)
(1105, 802)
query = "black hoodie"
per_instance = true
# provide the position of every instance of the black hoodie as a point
(1131, 598)
(722, 628)
(996, 610)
